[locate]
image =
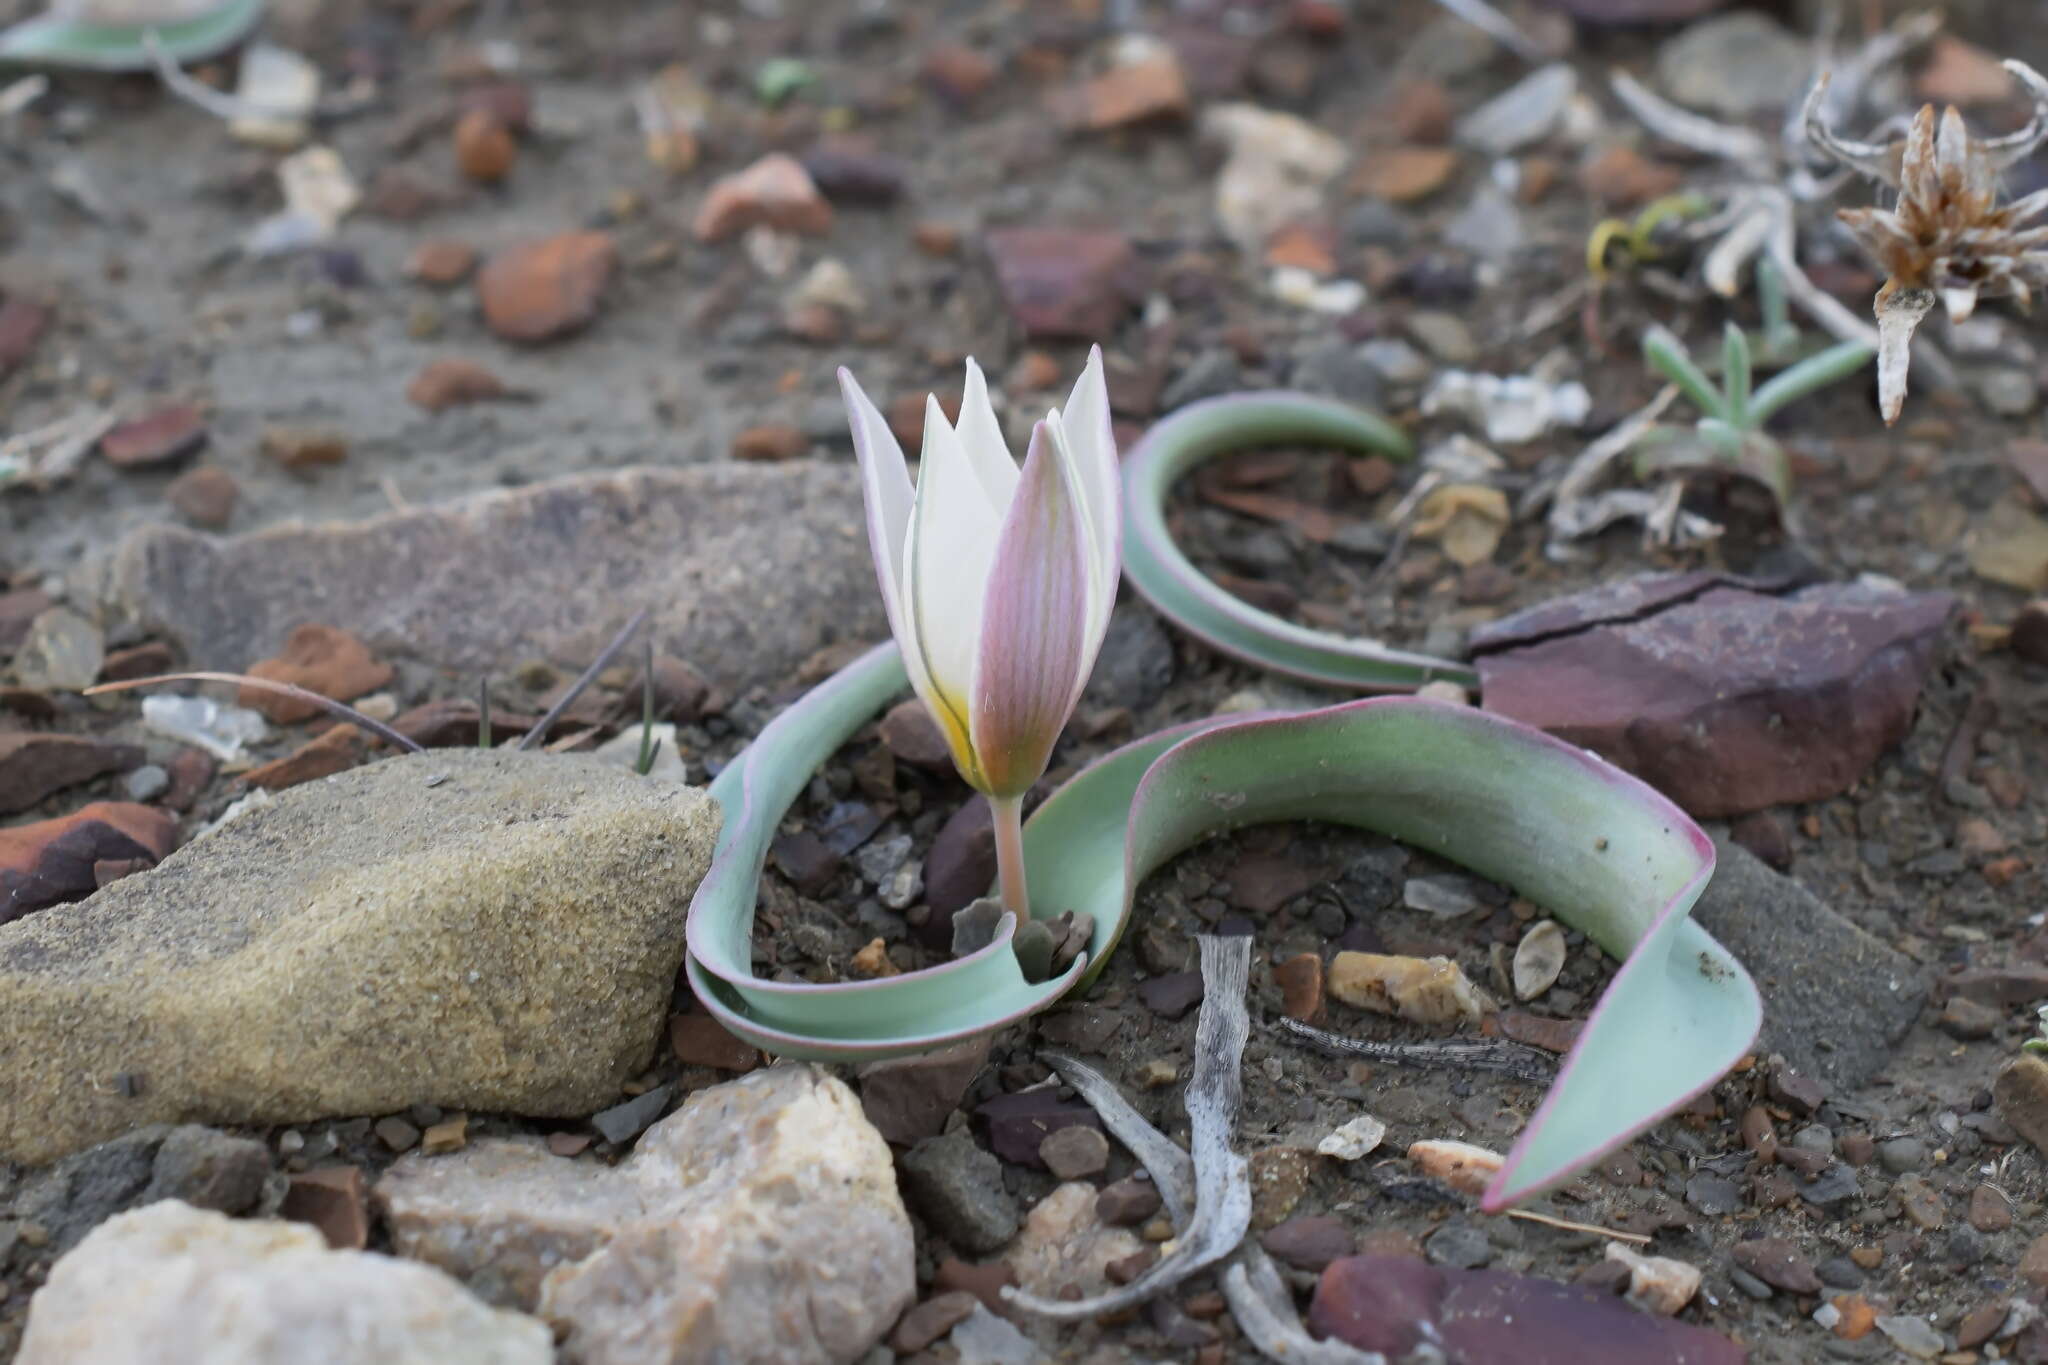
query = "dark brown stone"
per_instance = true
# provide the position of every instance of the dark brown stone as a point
(913, 736)
(138, 661)
(1726, 698)
(1767, 834)
(18, 611)
(1300, 979)
(204, 497)
(2030, 632)
(959, 869)
(908, 1099)
(452, 382)
(22, 324)
(50, 862)
(320, 659)
(926, 1322)
(337, 749)
(1309, 1242)
(985, 1282)
(1063, 284)
(332, 1200)
(159, 437)
(541, 291)
(453, 723)
(700, 1040)
(1778, 1263)
(35, 764)
(1127, 1203)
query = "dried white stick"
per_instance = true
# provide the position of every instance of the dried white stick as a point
(1223, 1200)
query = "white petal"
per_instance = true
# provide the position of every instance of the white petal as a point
(1101, 592)
(982, 435)
(953, 535)
(885, 490)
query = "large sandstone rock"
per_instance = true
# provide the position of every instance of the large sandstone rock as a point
(478, 930)
(759, 1223)
(749, 570)
(173, 1285)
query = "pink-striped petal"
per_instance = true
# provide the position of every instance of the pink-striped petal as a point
(1035, 629)
(982, 437)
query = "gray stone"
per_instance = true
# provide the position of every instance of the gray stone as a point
(147, 783)
(1489, 226)
(63, 653)
(1446, 336)
(1333, 366)
(1395, 360)
(1835, 998)
(1458, 1244)
(1713, 1194)
(882, 857)
(1901, 1155)
(623, 1122)
(758, 1222)
(1831, 1186)
(958, 1188)
(1735, 65)
(1208, 375)
(1523, 113)
(174, 1285)
(360, 945)
(1136, 662)
(750, 569)
(2009, 393)
(201, 1166)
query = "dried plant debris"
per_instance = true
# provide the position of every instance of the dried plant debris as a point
(1223, 1205)
(1946, 238)
(1755, 212)
(1210, 1191)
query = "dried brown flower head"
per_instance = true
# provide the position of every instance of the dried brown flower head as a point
(1946, 238)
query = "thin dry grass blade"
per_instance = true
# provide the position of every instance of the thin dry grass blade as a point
(539, 732)
(329, 704)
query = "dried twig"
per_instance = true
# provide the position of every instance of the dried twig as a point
(284, 689)
(1497, 26)
(1258, 1297)
(1528, 1216)
(539, 732)
(1519, 1060)
(1223, 1200)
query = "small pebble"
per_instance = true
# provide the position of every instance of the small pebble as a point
(397, 1134)
(147, 783)
(1458, 1244)
(1075, 1152)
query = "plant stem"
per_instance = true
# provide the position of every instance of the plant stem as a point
(1009, 825)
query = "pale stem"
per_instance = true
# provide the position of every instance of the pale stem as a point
(1009, 825)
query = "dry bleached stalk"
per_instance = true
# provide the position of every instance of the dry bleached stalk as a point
(1211, 1186)
(1945, 239)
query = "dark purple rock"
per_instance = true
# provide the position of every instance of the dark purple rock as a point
(851, 171)
(1172, 995)
(959, 869)
(167, 434)
(1018, 1123)
(1491, 1317)
(1727, 699)
(1767, 834)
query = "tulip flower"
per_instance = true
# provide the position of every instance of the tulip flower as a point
(998, 581)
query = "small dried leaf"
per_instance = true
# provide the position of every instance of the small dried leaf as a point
(1538, 959)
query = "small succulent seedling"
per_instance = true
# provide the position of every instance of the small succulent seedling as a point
(2039, 1046)
(1730, 431)
(1643, 238)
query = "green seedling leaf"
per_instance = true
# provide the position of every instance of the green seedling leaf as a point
(1667, 354)
(1164, 577)
(56, 41)
(1595, 847)
(1814, 373)
(1735, 374)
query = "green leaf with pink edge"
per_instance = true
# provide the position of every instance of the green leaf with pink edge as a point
(1155, 566)
(59, 41)
(1593, 846)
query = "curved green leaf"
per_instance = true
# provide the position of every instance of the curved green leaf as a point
(53, 41)
(1164, 577)
(1594, 846)
(1668, 355)
(1815, 372)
